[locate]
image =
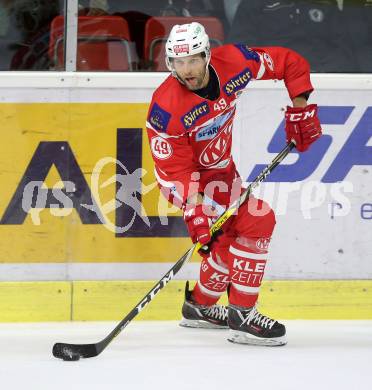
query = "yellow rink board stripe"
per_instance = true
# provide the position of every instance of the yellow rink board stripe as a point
(35, 301)
(112, 300)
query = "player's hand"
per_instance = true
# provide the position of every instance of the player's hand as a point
(302, 125)
(197, 223)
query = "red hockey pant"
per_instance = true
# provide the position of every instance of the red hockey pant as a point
(238, 257)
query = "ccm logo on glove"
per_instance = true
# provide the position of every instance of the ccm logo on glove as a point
(300, 116)
(302, 126)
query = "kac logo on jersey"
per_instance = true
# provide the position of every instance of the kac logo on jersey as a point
(238, 82)
(216, 148)
(194, 114)
(210, 131)
(159, 118)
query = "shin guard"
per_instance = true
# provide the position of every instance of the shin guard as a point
(247, 261)
(213, 281)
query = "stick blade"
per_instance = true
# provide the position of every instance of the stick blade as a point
(77, 351)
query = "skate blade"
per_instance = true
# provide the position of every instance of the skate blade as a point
(249, 339)
(200, 324)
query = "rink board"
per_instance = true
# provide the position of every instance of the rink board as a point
(72, 133)
(112, 300)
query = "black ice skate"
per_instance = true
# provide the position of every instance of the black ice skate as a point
(199, 316)
(248, 326)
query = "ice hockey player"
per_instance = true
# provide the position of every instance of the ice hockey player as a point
(189, 126)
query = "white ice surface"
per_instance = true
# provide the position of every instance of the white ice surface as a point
(161, 355)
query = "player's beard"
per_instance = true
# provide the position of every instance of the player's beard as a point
(195, 82)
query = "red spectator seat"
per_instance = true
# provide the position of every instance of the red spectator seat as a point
(157, 30)
(103, 44)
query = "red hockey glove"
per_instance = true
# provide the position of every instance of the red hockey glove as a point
(197, 224)
(302, 125)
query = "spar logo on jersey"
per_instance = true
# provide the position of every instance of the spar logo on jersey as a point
(207, 133)
(215, 150)
(238, 82)
(211, 130)
(159, 118)
(194, 114)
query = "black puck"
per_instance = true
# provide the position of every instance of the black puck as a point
(71, 357)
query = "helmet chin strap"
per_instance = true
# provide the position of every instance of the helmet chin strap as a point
(205, 74)
(208, 57)
(173, 72)
(175, 75)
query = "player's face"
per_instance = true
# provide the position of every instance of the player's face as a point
(192, 71)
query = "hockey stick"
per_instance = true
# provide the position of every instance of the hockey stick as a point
(77, 351)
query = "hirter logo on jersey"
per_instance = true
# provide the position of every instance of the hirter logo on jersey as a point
(159, 118)
(238, 82)
(215, 150)
(194, 114)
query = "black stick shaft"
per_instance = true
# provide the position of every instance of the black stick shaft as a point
(60, 350)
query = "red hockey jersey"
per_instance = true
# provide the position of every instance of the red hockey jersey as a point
(189, 134)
